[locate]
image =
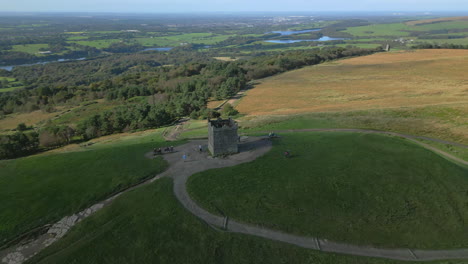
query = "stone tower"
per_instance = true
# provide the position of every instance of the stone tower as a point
(222, 136)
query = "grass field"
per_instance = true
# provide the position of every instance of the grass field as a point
(443, 122)
(99, 44)
(358, 188)
(395, 29)
(42, 189)
(436, 20)
(176, 40)
(77, 38)
(119, 234)
(86, 110)
(12, 85)
(30, 48)
(431, 80)
(360, 45)
(458, 41)
(32, 118)
(402, 29)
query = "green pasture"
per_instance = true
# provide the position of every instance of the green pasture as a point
(42, 189)
(77, 38)
(395, 29)
(30, 48)
(350, 187)
(176, 40)
(99, 44)
(440, 26)
(441, 122)
(460, 41)
(401, 29)
(360, 45)
(12, 85)
(148, 225)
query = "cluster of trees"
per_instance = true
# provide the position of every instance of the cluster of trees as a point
(124, 118)
(439, 46)
(18, 144)
(187, 84)
(167, 92)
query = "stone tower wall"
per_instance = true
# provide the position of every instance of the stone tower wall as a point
(222, 139)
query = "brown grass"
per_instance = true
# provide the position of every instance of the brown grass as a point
(225, 58)
(379, 81)
(215, 103)
(436, 20)
(32, 118)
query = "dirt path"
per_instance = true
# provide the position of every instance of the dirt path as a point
(173, 133)
(232, 101)
(250, 148)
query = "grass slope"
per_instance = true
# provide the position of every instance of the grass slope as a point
(406, 83)
(357, 188)
(160, 230)
(42, 189)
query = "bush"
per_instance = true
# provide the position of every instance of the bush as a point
(229, 110)
(21, 127)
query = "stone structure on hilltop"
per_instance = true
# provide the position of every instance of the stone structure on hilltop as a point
(222, 136)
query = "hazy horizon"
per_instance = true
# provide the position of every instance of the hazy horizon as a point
(187, 6)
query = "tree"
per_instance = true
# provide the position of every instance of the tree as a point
(22, 127)
(229, 110)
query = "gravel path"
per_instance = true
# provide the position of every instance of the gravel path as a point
(250, 148)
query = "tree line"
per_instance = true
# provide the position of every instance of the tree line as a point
(170, 92)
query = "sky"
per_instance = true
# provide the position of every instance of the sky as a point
(170, 6)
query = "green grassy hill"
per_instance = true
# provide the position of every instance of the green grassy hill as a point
(357, 188)
(160, 230)
(42, 189)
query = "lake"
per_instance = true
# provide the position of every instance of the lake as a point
(10, 67)
(159, 49)
(289, 41)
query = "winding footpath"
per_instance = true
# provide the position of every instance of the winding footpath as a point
(249, 149)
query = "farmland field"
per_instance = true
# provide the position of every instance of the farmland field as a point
(436, 20)
(100, 44)
(176, 40)
(401, 29)
(30, 48)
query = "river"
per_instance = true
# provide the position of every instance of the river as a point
(289, 41)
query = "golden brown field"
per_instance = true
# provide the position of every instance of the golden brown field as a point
(428, 21)
(225, 58)
(423, 92)
(379, 81)
(32, 118)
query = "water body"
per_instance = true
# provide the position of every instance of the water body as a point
(289, 41)
(10, 67)
(159, 49)
(292, 32)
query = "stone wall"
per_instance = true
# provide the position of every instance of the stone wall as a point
(222, 137)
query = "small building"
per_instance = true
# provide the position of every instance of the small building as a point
(222, 136)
